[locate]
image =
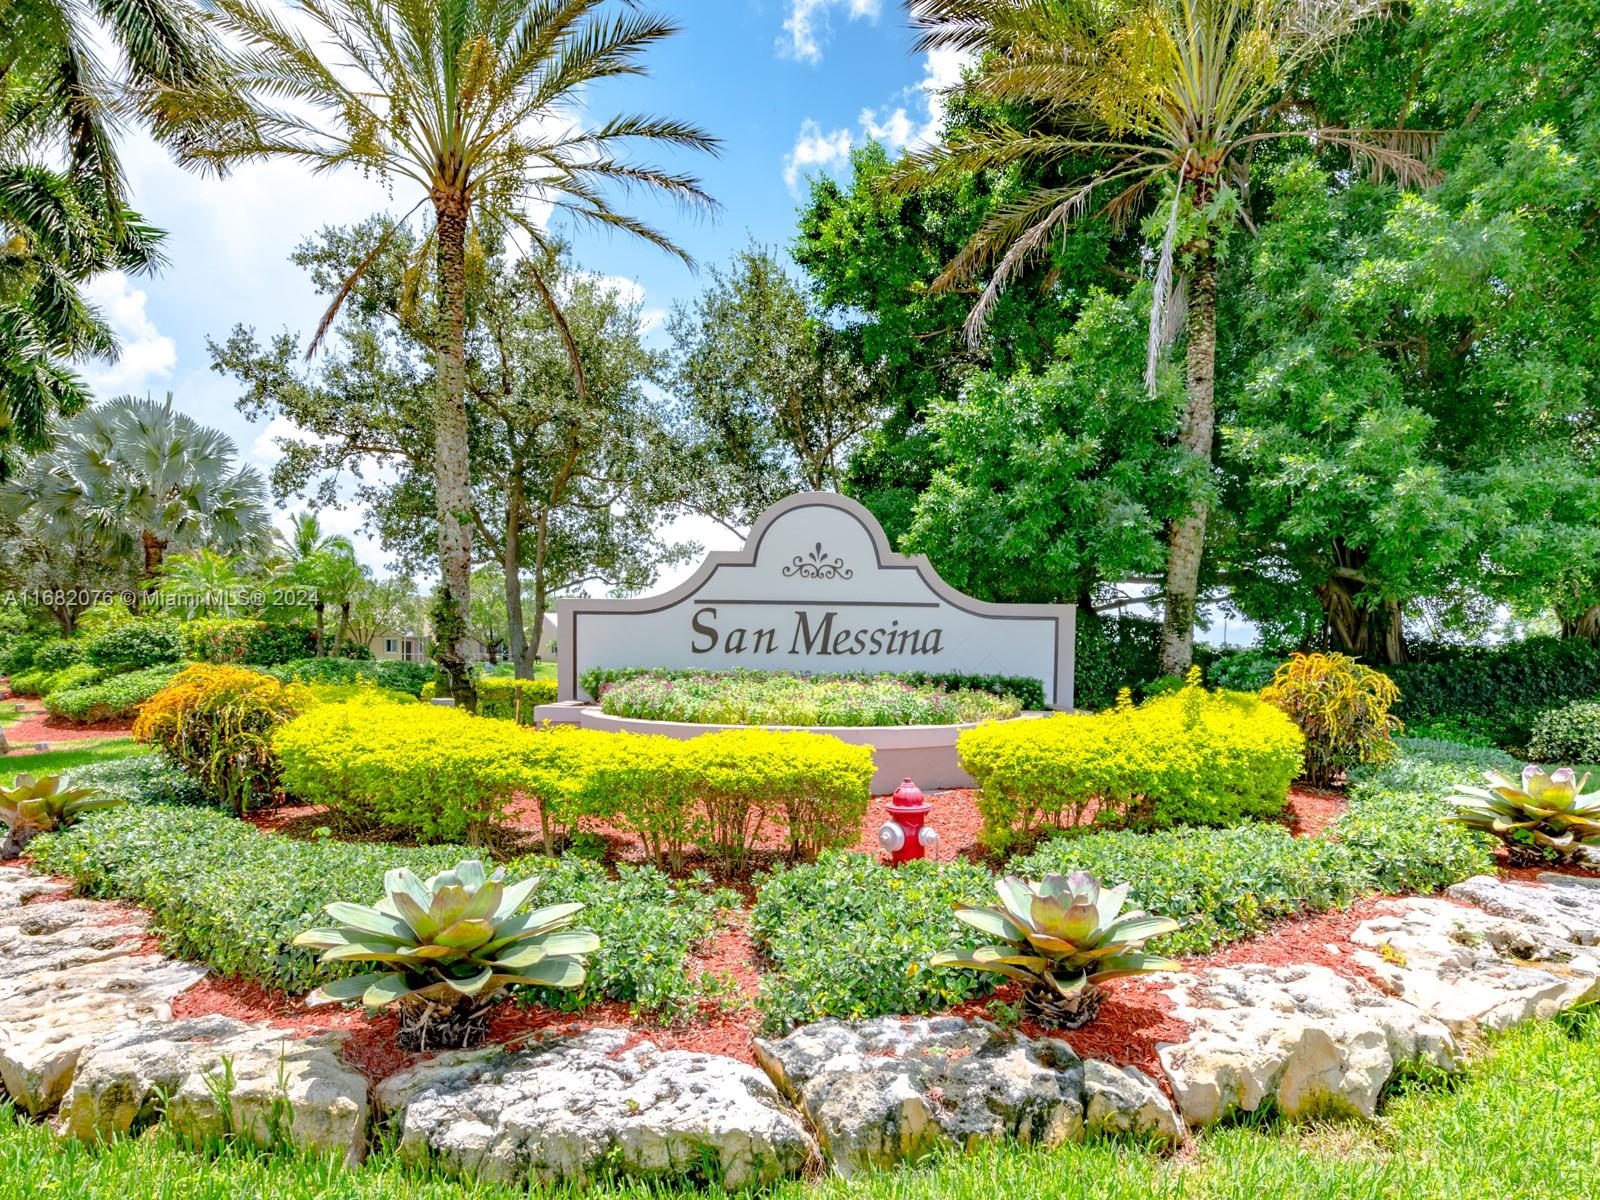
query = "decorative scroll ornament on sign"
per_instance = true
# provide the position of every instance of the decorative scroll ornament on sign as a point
(817, 564)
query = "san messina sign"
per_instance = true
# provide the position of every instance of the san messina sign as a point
(817, 588)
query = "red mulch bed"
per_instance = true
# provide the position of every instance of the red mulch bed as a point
(1311, 810)
(1135, 1017)
(39, 726)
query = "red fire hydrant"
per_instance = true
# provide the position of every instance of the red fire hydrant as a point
(904, 836)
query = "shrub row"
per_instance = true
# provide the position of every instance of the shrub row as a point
(849, 938)
(1506, 687)
(233, 898)
(407, 677)
(1027, 691)
(436, 773)
(514, 699)
(1188, 758)
(119, 696)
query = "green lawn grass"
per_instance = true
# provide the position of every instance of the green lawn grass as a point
(1524, 1123)
(53, 761)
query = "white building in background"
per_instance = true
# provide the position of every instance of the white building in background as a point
(399, 646)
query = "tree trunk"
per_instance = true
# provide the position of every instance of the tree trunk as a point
(1585, 625)
(322, 644)
(1374, 633)
(518, 651)
(155, 550)
(344, 628)
(541, 590)
(1186, 540)
(451, 482)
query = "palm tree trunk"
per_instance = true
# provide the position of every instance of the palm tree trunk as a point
(322, 642)
(450, 435)
(1186, 542)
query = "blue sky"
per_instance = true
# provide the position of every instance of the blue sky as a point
(789, 85)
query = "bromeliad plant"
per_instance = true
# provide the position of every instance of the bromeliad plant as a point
(447, 945)
(1543, 818)
(1061, 938)
(31, 806)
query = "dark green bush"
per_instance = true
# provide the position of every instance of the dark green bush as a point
(1114, 653)
(57, 655)
(133, 645)
(851, 939)
(399, 676)
(270, 644)
(1243, 670)
(1567, 736)
(1506, 686)
(19, 653)
(1392, 824)
(224, 894)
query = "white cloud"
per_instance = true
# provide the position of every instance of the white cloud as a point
(814, 151)
(806, 26)
(147, 356)
(264, 451)
(900, 130)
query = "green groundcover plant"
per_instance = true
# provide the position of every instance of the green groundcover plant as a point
(770, 698)
(117, 697)
(224, 894)
(850, 938)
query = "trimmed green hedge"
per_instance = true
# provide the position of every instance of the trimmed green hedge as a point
(134, 645)
(1505, 686)
(119, 696)
(849, 938)
(224, 894)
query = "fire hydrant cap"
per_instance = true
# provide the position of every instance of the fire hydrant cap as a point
(908, 795)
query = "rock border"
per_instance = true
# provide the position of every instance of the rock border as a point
(86, 1033)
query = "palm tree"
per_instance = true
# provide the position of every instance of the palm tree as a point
(143, 479)
(322, 564)
(203, 583)
(57, 90)
(477, 104)
(1130, 97)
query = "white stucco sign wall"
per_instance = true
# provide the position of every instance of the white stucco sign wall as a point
(817, 588)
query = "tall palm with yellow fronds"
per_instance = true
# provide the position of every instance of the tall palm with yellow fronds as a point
(475, 103)
(1137, 104)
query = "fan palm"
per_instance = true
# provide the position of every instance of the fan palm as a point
(1130, 97)
(476, 104)
(142, 478)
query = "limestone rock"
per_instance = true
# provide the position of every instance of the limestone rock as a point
(218, 1077)
(1564, 907)
(1471, 969)
(1304, 1037)
(881, 1091)
(51, 1014)
(578, 1106)
(1124, 1100)
(19, 885)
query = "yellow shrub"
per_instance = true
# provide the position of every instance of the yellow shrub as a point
(433, 773)
(217, 722)
(1187, 758)
(1342, 708)
(441, 774)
